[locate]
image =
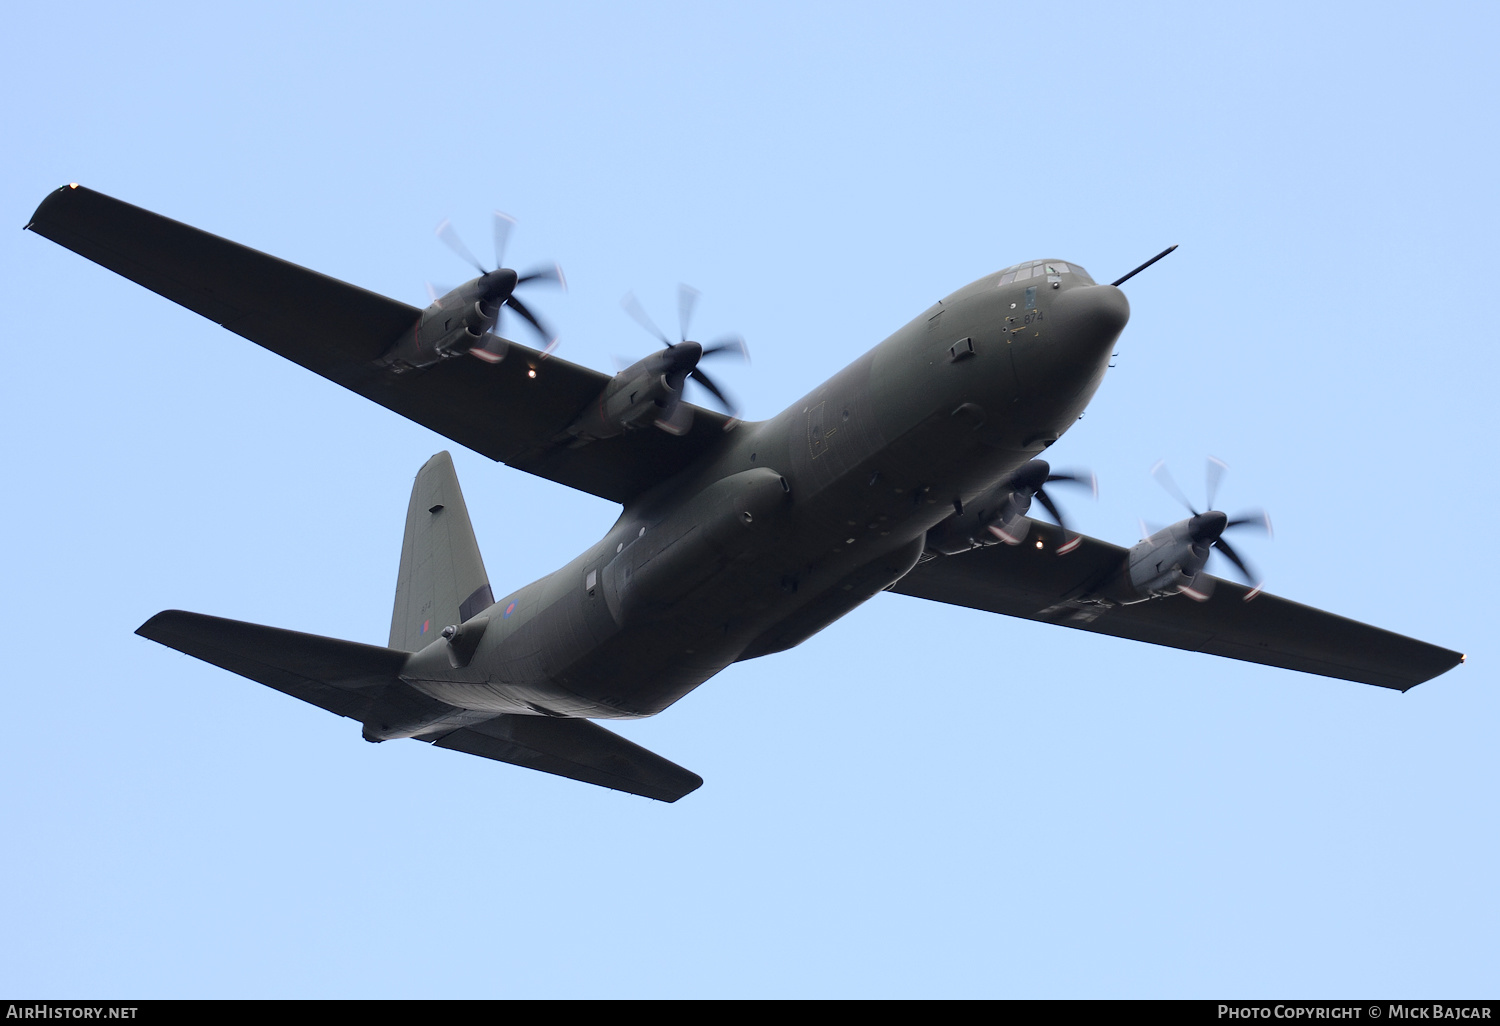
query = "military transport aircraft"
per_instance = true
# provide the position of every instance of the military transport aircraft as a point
(912, 470)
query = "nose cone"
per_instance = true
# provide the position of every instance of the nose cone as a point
(1060, 359)
(1088, 319)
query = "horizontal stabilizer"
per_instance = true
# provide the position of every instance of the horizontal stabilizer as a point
(339, 676)
(577, 749)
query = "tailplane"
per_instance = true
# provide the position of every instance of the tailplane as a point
(343, 677)
(362, 682)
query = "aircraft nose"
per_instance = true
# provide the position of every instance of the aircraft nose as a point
(1090, 318)
(1066, 354)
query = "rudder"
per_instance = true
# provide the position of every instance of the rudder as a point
(442, 579)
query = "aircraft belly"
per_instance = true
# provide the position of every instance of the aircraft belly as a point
(565, 653)
(495, 699)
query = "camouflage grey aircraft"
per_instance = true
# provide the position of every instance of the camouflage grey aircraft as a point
(912, 470)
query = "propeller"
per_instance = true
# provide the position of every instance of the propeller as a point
(687, 353)
(1030, 482)
(1207, 529)
(491, 348)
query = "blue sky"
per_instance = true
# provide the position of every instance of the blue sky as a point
(921, 801)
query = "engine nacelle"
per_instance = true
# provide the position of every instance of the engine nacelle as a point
(1166, 563)
(453, 325)
(969, 529)
(636, 397)
(999, 514)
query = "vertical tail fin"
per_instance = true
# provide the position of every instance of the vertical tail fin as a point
(442, 579)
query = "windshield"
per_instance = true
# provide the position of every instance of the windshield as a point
(1042, 268)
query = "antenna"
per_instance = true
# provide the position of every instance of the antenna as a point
(1141, 268)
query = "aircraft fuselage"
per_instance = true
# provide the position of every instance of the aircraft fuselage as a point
(795, 520)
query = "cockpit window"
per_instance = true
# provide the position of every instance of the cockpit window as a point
(1039, 269)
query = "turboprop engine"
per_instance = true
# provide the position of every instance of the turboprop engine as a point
(1000, 513)
(467, 319)
(1171, 560)
(456, 324)
(649, 391)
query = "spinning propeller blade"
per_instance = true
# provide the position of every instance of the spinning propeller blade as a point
(687, 301)
(1028, 483)
(1210, 527)
(449, 235)
(492, 348)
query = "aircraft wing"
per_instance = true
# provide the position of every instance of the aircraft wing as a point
(338, 330)
(1038, 584)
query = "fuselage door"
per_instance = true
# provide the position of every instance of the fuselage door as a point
(817, 435)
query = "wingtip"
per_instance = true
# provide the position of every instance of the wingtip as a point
(148, 630)
(687, 791)
(59, 191)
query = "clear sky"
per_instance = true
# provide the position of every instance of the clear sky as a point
(920, 801)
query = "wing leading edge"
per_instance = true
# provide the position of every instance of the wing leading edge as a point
(511, 412)
(1037, 584)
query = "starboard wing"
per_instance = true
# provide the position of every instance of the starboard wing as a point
(1037, 584)
(511, 412)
